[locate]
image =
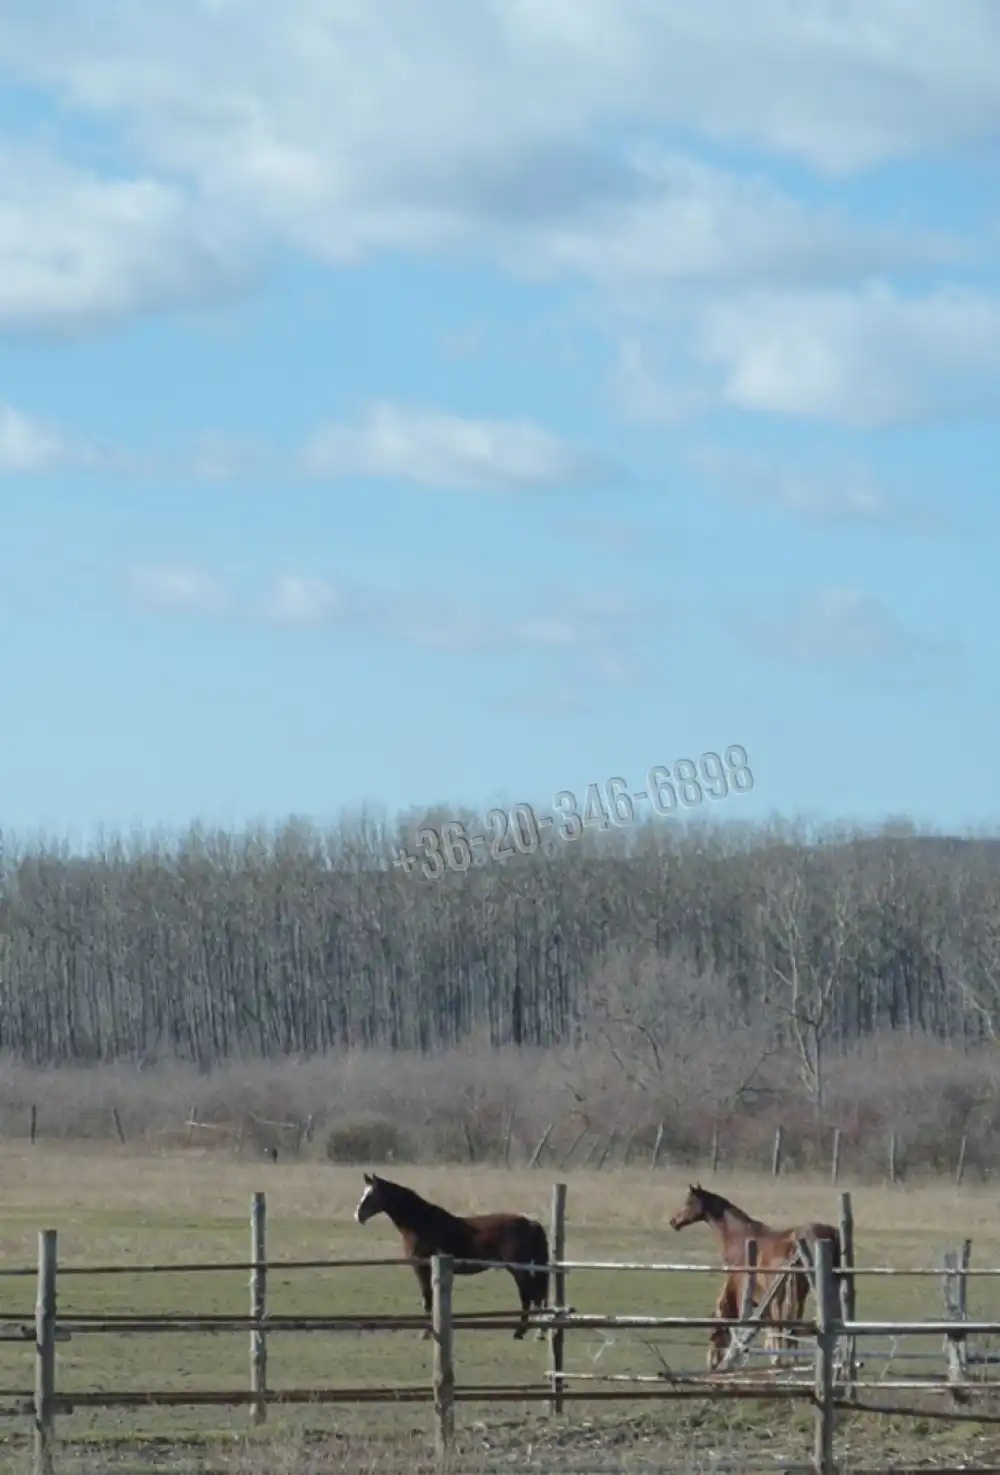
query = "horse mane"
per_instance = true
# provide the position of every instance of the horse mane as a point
(410, 1198)
(718, 1204)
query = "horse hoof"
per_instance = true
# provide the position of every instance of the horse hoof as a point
(519, 1334)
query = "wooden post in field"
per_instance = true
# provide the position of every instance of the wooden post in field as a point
(848, 1302)
(826, 1348)
(33, 1125)
(116, 1118)
(557, 1295)
(957, 1309)
(750, 1283)
(45, 1352)
(835, 1163)
(258, 1306)
(892, 1157)
(573, 1146)
(715, 1149)
(960, 1167)
(608, 1148)
(779, 1137)
(542, 1143)
(442, 1271)
(654, 1160)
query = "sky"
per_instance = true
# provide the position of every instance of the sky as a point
(457, 401)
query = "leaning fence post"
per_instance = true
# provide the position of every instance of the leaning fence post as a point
(557, 1296)
(779, 1138)
(442, 1271)
(826, 1347)
(258, 1307)
(45, 1352)
(848, 1293)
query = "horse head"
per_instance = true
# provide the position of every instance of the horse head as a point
(694, 1209)
(372, 1201)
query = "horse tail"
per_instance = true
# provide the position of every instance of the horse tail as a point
(538, 1253)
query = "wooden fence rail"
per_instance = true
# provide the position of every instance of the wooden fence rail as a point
(830, 1386)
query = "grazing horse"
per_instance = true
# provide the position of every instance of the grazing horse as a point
(428, 1230)
(775, 1247)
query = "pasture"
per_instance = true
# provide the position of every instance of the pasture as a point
(127, 1205)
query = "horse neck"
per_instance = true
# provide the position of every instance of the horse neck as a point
(735, 1226)
(408, 1211)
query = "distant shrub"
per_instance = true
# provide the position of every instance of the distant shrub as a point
(367, 1139)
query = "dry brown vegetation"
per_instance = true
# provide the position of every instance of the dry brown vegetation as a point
(477, 1105)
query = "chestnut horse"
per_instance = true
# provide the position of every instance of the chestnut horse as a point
(775, 1247)
(428, 1230)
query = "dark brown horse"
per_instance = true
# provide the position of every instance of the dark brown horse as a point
(775, 1247)
(428, 1230)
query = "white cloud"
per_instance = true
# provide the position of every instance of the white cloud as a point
(29, 445)
(841, 626)
(435, 449)
(675, 219)
(865, 358)
(587, 640)
(295, 600)
(178, 587)
(77, 248)
(824, 495)
(861, 358)
(343, 127)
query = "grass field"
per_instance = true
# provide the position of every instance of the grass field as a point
(125, 1206)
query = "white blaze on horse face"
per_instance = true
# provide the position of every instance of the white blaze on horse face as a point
(369, 1190)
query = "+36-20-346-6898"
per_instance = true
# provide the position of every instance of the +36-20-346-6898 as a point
(519, 830)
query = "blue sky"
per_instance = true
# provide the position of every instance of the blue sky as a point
(460, 400)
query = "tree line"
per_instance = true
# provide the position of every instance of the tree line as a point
(213, 946)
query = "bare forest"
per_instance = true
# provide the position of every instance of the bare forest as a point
(700, 978)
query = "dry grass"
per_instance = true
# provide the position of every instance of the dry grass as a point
(131, 1206)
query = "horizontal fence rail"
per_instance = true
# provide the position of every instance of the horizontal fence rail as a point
(831, 1384)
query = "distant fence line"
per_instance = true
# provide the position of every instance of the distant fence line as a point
(270, 1137)
(834, 1383)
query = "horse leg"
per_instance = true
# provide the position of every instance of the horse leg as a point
(726, 1309)
(523, 1279)
(540, 1299)
(423, 1274)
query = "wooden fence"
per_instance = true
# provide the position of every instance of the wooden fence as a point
(833, 1382)
(269, 1138)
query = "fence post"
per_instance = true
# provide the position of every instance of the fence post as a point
(893, 1163)
(442, 1272)
(826, 1347)
(45, 1352)
(749, 1296)
(33, 1125)
(835, 1164)
(960, 1166)
(957, 1309)
(715, 1149)
(848, 1293)
(779, 1137)
(542, 1143)
(258, 1306)
(654, 1160)
(557, 1296)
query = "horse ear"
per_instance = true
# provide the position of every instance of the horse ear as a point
(369, 1178)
